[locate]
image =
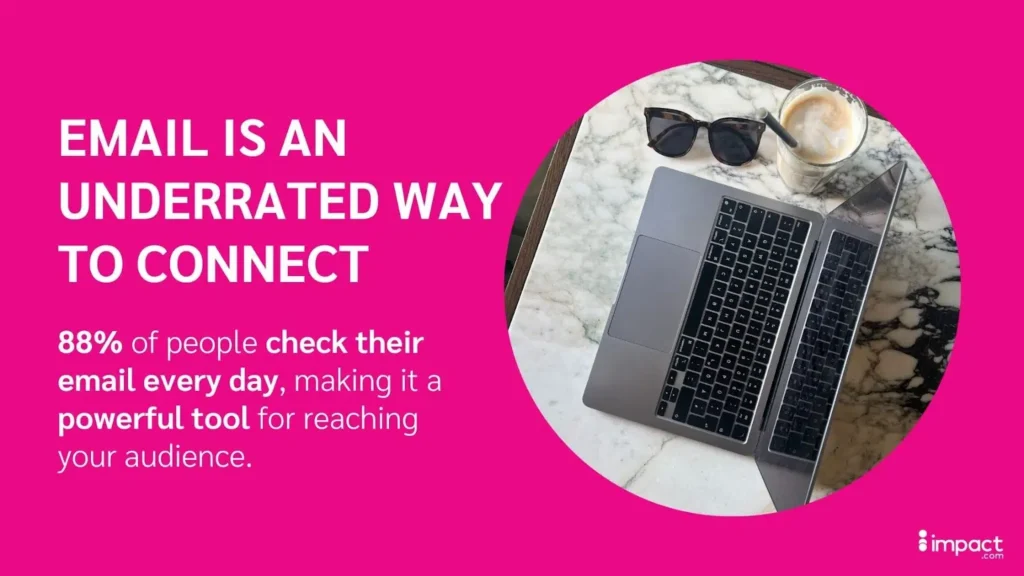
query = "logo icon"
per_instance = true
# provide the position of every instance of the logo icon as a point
(923, 544)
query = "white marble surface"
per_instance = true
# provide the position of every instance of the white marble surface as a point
(903, 345)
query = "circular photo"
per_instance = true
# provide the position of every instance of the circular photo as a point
(732, 288)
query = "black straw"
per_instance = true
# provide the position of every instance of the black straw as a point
(777, 128)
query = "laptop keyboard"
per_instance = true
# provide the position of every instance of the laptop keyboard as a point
(826, 338)
(733, 323)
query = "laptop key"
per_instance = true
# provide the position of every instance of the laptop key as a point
(710, 423)
(781, 239)
(683, 404)
(786, 225)
(667, 392)
(789, 265)
(782, 428)
(726, 315)
(772, 324)
(722, 330)
(715, 408)
(756, 219)
(691, 379)
(750, 343)
(771, 223)
(672, 375)
(781, 295)
(749, 240)
(744, 417)
(723, 274)
(732, 300)
(732, 404)
(695, 421)
(733, 346)
(675, 395)
(761, 256)
(745, 256)
(714, 252)
(747, 302)
(719, 392)
(718, 345)
(707, 376)
(763, 355)
(800, 230)
(785, 281)
(679, 363)
(699, 349)
(724, 221)
(742, 212)
(749, 401)
(713, 361)
(728, 205)
(704, 391)
(786, 412)
(757, 371)
(732, 245)
(661, 408)
(698, 407)
(776, 310)
(736, 389)
(705, 332)
(739, 432)
(725, 424)
(718, 235)
(778, 253)
(686, 346)
(737, 229)
(835, 245)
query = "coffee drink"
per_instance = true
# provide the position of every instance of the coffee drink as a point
(822, 122)
(829, 125)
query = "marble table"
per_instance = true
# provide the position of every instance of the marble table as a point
(903, 345)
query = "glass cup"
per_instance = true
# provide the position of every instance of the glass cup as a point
(800, 174)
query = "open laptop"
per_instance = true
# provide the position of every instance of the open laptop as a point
(735, 319)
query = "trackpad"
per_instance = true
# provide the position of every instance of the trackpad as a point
(654, 294)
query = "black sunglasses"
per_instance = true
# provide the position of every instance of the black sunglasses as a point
(734, 141)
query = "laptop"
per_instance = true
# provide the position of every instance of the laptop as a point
(735, 319)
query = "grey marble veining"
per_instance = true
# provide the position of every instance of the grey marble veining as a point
(904, 342)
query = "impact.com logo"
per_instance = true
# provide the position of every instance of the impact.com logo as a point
(991, 549)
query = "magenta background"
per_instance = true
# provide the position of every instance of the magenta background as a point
(467, 93)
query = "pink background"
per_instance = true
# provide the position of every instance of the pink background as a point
(470, 93)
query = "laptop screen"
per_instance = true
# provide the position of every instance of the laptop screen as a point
(872, 205)
(790, 448)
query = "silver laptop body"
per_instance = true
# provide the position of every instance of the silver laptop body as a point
(735, 319)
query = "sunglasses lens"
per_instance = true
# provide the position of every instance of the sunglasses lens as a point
(675, 140)
(735, 142)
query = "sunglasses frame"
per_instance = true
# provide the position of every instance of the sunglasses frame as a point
(686, 119)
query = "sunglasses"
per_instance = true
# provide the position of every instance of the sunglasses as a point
(734, 141)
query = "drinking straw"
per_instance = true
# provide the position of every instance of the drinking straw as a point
(777, 128)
